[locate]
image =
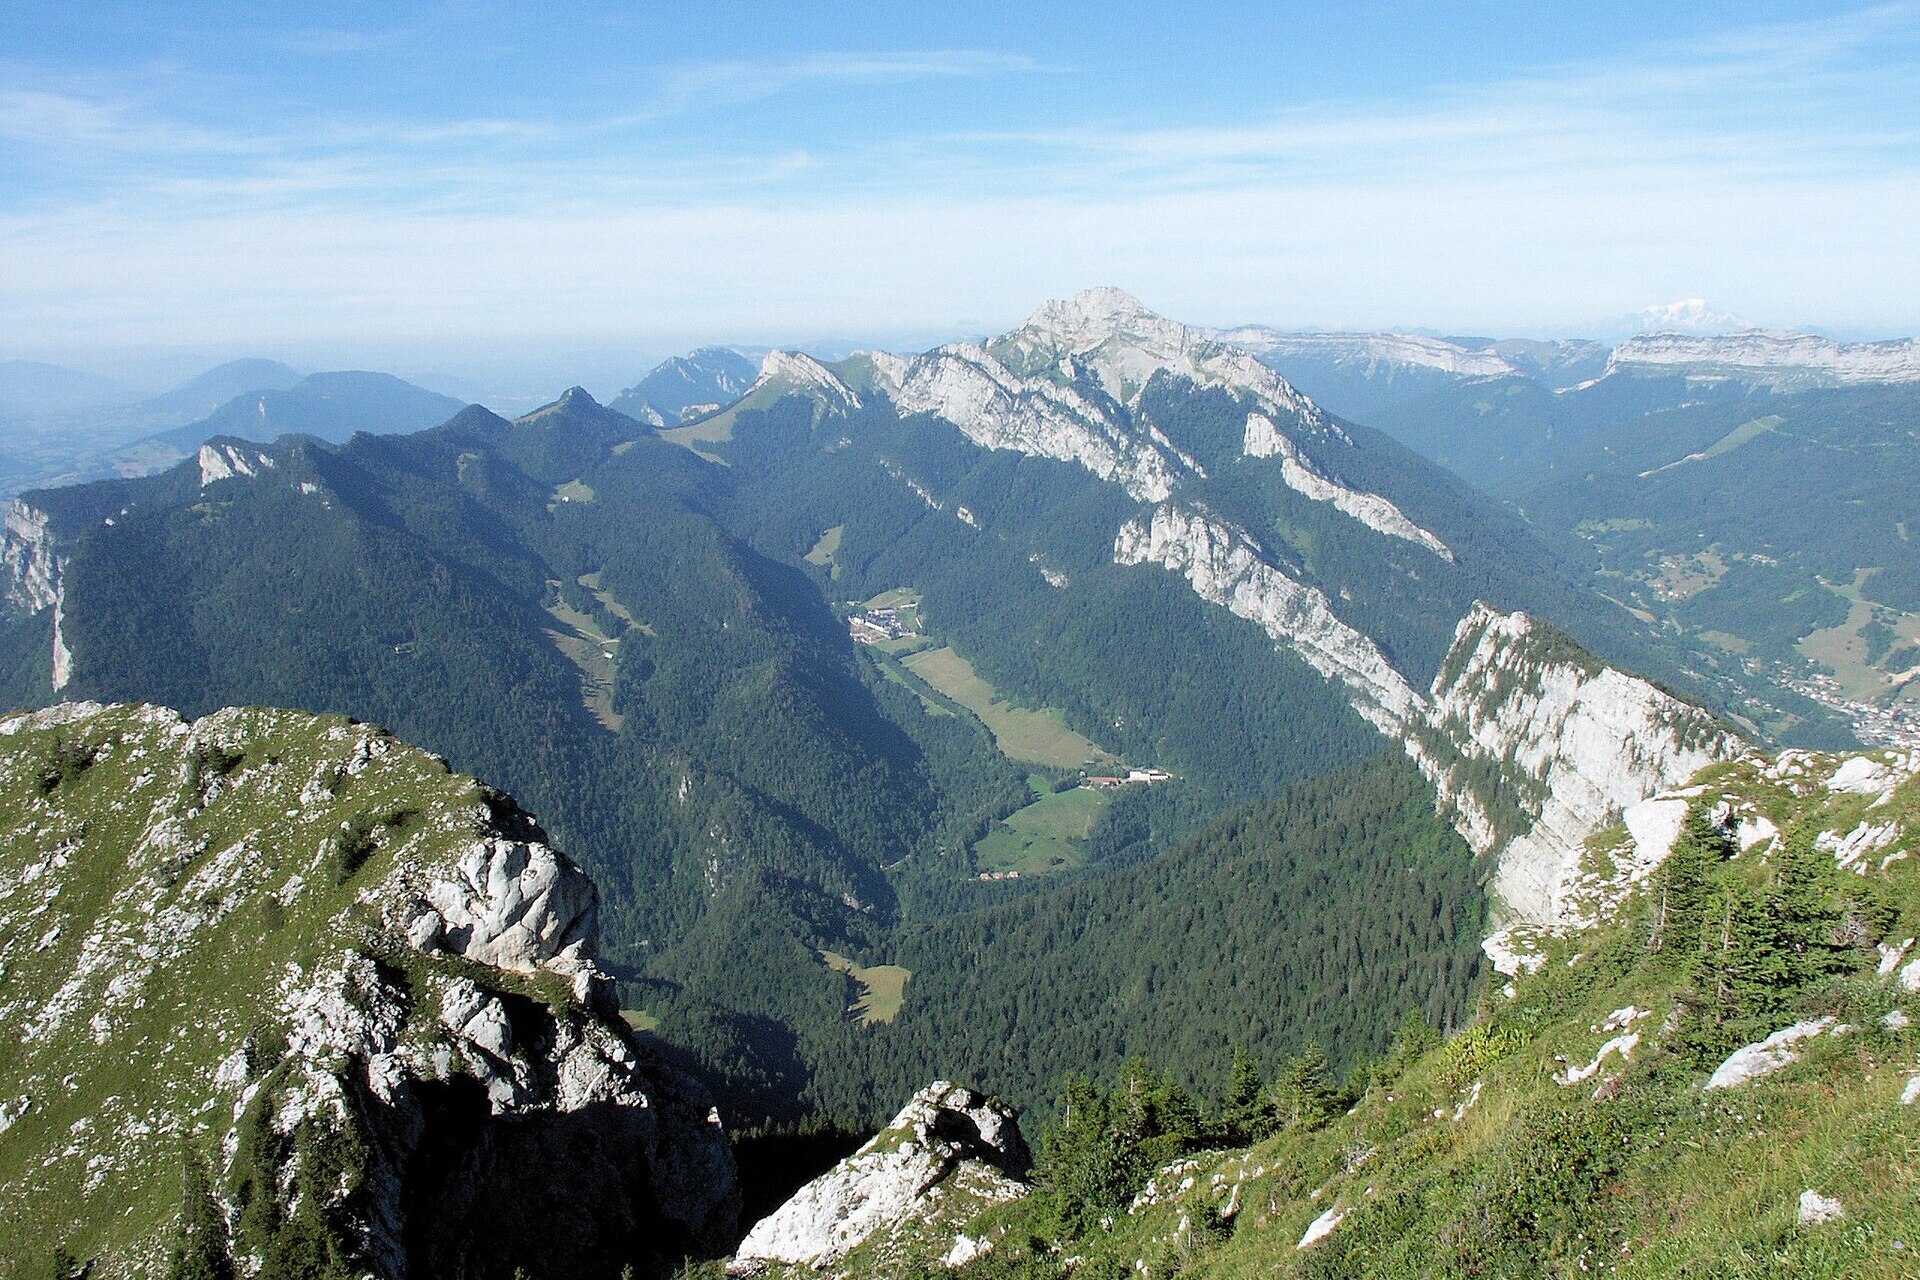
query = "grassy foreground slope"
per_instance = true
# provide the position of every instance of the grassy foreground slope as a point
(1611, 1112)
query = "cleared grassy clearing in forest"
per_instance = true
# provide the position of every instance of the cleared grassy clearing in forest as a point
(1030, 737)
(883, 987)
(1047, 835)
(823, 550)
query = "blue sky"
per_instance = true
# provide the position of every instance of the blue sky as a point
(351, 179)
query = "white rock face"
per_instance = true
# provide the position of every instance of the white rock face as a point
(949, 1146)
(1372, 351)
(1265, 440)
(223, 462)
(1228, 568)
(1027, 390)
(1863, 776)
(1320, 1228)
(1624, 1045)
(1751, 1062)
(965, 1249)
(1111, 333)
(33, 565)
(1579, 743)
(1781, 360)
(28, 555)
(1573, 744)
(514, 905)
(801, 373)
(1038, 416)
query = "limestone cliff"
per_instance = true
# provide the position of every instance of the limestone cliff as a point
(32, 560)
(1533, 745)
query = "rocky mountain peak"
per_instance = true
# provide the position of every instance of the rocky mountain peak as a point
(798, 373)
(1097, 315)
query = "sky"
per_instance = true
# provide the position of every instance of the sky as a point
(472, 183)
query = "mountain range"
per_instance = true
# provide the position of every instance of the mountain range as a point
(1142, 544)
(1001, 712)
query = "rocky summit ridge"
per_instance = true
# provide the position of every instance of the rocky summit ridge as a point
(348, 996)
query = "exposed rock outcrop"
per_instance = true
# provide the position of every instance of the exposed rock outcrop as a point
(355, 983)
(1069, 385)
(795, 372)
(997, 408)
(1533, 745)
(1754, 1061)
(32, 560)
(1265, 440)
(1228, 568)
(949, 1154)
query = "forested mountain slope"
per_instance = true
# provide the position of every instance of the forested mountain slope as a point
(687, 713)
(1249, 933)
(1767, 534)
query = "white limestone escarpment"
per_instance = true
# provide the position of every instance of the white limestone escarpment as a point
(1068, 385)
(1265, 440)
(1569, 742)
(1372, 351)
(1532, 745)
(30, 555)
(1040, 416)
(1227, 567)
(1785, 360)
(949, 1154)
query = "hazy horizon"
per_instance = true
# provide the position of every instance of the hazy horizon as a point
(485, 196)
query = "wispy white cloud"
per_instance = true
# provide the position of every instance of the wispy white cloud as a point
(1773, 171)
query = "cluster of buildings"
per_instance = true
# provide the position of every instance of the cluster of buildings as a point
(1894, 725)
(1101, 782)
(872, 626)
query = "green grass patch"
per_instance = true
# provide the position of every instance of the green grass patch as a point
(883, 987)
(1048, 835)
(823, 550)
(1030, 737)
(1847, 649)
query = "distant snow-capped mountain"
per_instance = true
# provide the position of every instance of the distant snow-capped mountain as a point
(1688, 315)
